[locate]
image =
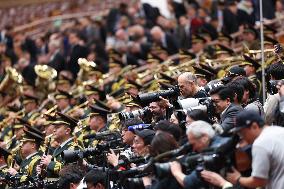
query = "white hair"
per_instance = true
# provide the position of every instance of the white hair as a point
(199, 128)
(188, 76)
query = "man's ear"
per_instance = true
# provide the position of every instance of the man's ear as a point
(73, 186)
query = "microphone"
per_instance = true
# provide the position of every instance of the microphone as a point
(141, 126)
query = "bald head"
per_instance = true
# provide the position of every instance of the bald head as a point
(157, 33)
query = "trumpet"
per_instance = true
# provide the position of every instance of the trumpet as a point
(259, 51)
(8, 119)
(49, 112)
(9, 142)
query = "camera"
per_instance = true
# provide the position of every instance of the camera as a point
(272, 86)
(214, 158)
(71, 156)
(147, 98)
(212, 85)
(204, 104)
(134, 114)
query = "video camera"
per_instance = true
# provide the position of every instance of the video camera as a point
(71, 156)
(123, 116)
(272, 86)
(214, 159)
(147, 98)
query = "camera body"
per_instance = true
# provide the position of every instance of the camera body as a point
(123, 116)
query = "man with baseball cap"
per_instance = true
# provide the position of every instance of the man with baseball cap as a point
(267, 152)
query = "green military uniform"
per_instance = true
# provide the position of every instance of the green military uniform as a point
(29, 164)
(57, 161)
(34, 114)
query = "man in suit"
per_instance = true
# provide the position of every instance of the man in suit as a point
(78, 50)
(164, 40)
(183, 33)
(222, 98)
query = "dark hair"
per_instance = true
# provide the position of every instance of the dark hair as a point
(238, 90)
(70, 174)
(224, 92)
(162, 142)
(171, 128)
(198, 115)
(276, 70)
(95, 177)
(248, 85)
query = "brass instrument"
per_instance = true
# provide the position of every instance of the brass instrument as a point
(51, 111)
(45, 72)
(86, 65)
(259, 51)
(5, 121)
(9, 142)
(11, 85)
(77, 107)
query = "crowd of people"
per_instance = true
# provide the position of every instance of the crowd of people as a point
(134, 99)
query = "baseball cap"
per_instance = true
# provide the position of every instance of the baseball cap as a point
(245, 118)
(147, 135)
(233, 72)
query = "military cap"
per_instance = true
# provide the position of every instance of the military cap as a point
(198, 38)
(221, 49)
(95, 90)
(114, 62)
(159, 50)
(27, 98)
(64, 119)
(269, 40)
(132, 84)
(62, 95)
(167, 77)
(224, 36)
(4, 152)
(102, 104)
(250, 61)
(117, 93)
(98, 111)
(184, 53)
(132, 104)
(165, 86)
(208, 68)
(231, 2)
(153, 58)
(200, 72)
(250, 29)
(19, 123)
(269, 29)
(32, 137)
(32, 129)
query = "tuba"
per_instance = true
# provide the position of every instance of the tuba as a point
(11, 85)
(11, 79)
(44, 81)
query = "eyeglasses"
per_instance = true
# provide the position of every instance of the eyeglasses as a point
(216, 100)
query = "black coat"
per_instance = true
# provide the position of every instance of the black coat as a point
(57, 62)
(227, 118)
(77, 52)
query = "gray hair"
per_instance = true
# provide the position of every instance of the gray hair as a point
(189, 76)
(199, 128)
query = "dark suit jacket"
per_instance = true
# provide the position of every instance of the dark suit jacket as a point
(183, 38)
(77, 52)
(58, 62)
(172, 46)
(227, 118)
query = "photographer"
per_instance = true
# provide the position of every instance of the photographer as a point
(95, 179)
(276, 72)
(279, 113)
(267, 152)
(222, 97)
(187, 83)
(250, 100)
(158, 110)
(201, 136)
